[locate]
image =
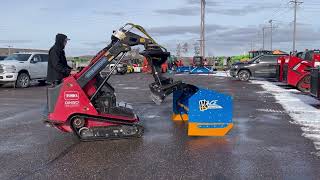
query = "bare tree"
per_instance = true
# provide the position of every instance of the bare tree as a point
(185, 47)
(196, 46)
(179, 50)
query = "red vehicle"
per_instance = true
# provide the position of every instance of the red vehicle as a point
(146, 68)
(85, 103)
(282, 69)
(177, 63)
(295, 69)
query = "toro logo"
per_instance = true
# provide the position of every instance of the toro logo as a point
(71, 95)
(71, 99)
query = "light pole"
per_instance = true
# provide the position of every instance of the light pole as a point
(296, 3)
(263, 37)
(202, 34)
(9, 50)
(270, 21)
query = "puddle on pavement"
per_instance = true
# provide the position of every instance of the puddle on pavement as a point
(195, 144)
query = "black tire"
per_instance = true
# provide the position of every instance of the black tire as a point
(244, 75)
(123, 73)
(23, 80)
(42, 83)
(115, 72)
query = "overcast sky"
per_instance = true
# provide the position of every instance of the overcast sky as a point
(230, 25)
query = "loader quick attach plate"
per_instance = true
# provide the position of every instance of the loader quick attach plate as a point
(208, 113)
(160, 92)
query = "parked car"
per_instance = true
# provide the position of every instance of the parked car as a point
(262, 66)
(2, 57)
(21, 68)
(120, 69)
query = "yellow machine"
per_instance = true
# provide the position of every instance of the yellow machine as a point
(130, 68)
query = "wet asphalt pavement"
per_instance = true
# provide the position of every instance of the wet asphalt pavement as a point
(262, 145)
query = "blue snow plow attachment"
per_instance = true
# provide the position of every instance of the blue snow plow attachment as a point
(197, 66)
(195, 69)
(202, 70)
(208, 113)
(183, 69)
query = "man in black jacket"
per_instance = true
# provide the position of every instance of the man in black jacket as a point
(57, 63)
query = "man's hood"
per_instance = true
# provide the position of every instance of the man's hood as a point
(60, 39)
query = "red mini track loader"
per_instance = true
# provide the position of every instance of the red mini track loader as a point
(85, 103)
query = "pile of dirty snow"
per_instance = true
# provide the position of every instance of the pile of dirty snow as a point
(300, 109)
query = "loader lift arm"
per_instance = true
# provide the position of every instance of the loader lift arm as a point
(121, 42)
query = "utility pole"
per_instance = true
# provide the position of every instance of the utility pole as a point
(296, 3)
(263, 37)
(202, 34)
(270, 21)
(9, 50)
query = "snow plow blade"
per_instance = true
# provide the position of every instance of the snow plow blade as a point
(208, 112)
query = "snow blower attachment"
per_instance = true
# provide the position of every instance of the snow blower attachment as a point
(85, 103)
(209, 113)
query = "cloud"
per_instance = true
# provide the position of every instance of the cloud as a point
(248, 9)
(95, 44)
(197, 2)
(180, 30)
(51, 9)
(181, 11)
(187, 10)
(237, 40)
(195, 10)
(304, 34)
(108, 13)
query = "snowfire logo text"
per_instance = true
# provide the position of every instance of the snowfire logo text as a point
(205, 105)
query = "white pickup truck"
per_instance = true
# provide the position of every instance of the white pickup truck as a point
(21, 68)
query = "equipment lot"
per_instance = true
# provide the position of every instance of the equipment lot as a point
(262, 144)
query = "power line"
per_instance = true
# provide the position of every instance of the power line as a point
(280, 10)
